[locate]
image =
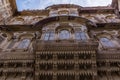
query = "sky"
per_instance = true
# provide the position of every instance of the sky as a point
(41, 4)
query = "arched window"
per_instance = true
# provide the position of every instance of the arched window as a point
(107, 42)
(24, 44)
(80, 36)
(64, 34)
(49, 36)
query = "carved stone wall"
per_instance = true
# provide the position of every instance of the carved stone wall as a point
(31, 47)
(5, 11)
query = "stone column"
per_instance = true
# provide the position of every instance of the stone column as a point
(5, 65)
(55, 69)
(56, 35)
(24, 65)
(108, 73)
(94, 77)
(4, 75)
(37, 67)
(55, 57)
(37, 76)
(76, 67)
(77, 76)
(54, 76)
(76, 57)
(23, 75)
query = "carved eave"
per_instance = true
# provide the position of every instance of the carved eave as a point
(80, 9)
(63, 6)
(97, 10)
(109, 26)
(16, 55)
(64, 19)
(42, 23)
(109, 9)
(15, 28)
(34, 12)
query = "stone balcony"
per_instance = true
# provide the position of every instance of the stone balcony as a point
(18, 55)
(66, 45)
(111, 55)
(68, 72)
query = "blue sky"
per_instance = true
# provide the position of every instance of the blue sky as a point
(41, 4)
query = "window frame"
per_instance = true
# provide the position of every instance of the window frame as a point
(82, 37)
(21, 46)
(66, 37)
(1, 39)
(108, 43)
(50, 35)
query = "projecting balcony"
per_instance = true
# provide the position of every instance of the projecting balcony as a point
(18, 70)
(66, 45)
(112, 56)
(16, 55)
(112, 69)
(68, 72)
(56, 14)
(65, 61)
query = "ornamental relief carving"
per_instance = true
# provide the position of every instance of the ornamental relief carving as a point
(22, 20)
(107, 39)
(102, 18)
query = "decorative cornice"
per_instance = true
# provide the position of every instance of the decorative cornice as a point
(103, 9)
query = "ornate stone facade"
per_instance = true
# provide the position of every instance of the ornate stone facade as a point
(62, 42)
